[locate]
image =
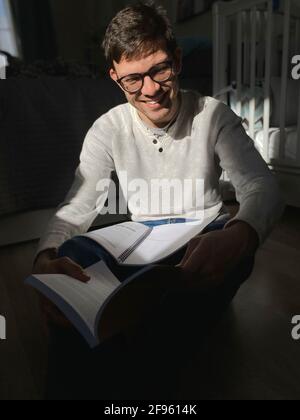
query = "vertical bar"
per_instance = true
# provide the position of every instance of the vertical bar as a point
(252, 74)
(239, 63)
(174, 10)
(284, 76)
(261, 43)
(297, 36)
(216, 47)
(294, 43)
(298, 133)
(225, 80)
(267, 95)
(298, 51)
(223, 57)
(233, 51)
(220, 52)
(3, 65)
(246, 47)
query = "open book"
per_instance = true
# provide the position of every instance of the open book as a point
(132, 243)
(104, 306)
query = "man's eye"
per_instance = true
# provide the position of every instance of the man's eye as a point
(161, 72)
(162, 69)
(132, 80)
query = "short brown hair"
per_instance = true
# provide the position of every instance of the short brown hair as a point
(137, 31)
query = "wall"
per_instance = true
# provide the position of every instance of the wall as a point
(76, 23)
(201, 25)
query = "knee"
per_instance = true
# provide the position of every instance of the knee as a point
(240, 273)
(246, 267)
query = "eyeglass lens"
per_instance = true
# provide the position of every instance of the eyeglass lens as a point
(160, 74)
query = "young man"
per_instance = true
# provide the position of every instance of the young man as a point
(165, 133)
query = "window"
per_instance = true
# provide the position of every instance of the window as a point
(8, 39)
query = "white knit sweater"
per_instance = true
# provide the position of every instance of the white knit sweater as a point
(205, 138)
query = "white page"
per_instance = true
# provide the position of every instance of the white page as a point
(117, 239)
(164, 240)
(103, 282)
(85, 298)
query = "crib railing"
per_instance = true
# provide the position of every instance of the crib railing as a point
(246, 51)
(3, 64)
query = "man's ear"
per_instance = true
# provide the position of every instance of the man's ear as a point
(178, 60)
(113, 74)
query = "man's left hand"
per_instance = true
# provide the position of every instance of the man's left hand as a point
(211, 256)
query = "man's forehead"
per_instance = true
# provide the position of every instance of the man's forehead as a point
(141, 64)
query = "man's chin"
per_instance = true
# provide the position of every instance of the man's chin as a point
(158, 116)
(158, 113)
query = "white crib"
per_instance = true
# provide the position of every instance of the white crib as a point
(254, 43)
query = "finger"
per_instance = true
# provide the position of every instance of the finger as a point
(72, 269)
(195, 262)
(191, 247)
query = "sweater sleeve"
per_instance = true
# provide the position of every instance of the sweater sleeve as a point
(257, 191)
(83, 202)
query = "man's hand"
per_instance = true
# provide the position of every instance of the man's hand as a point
(48, 263)
(211, 256)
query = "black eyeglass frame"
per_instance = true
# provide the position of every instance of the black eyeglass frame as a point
(148, 73)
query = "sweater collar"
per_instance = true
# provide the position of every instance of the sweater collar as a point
(157, 131)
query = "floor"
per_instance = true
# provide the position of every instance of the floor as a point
(250, 356)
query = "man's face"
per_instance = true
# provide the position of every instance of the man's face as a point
(156, 103)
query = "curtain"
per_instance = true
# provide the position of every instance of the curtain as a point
(35, 28)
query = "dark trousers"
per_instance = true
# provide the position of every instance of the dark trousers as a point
(147, 365)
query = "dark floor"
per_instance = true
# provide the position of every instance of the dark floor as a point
(250, 356)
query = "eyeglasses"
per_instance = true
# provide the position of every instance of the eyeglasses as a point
(160, 73)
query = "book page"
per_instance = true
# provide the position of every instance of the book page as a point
(85, 298)
(118, 239)
(164, 240)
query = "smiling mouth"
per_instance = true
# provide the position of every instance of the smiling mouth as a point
(156, 101)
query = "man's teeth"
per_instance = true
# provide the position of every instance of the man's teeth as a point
(155, 102)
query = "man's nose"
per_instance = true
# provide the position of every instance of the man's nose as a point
(150, 87)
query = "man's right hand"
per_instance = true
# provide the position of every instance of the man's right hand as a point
(48, 263)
